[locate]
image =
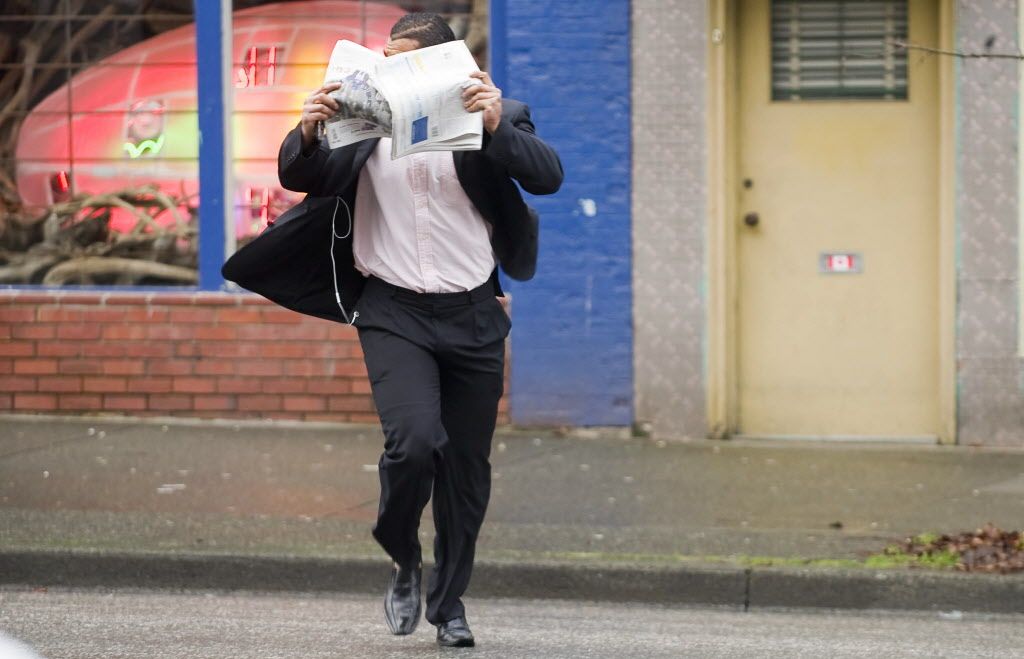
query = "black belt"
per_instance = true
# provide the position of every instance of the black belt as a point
(478, 294)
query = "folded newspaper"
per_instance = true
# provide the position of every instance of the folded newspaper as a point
(415, 98)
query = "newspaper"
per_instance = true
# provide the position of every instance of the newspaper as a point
(414, 97)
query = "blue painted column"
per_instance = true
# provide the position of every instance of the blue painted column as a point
(572, 344)
(213, 59)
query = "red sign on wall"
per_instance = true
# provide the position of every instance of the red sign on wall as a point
(841, 263)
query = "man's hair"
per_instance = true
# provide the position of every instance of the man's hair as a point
(426, 28)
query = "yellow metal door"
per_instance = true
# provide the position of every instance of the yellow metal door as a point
(836, 354)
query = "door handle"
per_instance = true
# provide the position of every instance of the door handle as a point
(751, 219)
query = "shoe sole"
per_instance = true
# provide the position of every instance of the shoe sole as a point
(464, 643)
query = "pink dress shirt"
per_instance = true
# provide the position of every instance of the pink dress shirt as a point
(416, 228)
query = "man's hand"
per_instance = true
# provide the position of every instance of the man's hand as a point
(319, 106)
(485, 98)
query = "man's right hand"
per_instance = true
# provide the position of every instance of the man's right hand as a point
(319, 106)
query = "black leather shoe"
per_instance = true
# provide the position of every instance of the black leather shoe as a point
(402, 600)
(455, 634)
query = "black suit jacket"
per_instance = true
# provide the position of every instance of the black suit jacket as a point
(290, 262)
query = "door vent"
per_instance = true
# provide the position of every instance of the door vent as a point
(838, 49)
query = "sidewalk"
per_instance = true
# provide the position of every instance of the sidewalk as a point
(114, 502)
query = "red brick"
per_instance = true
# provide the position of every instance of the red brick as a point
(124, 366)
(361, 385)
(17, 314)
(354, 367)
(259, 368)
(284, 350)
(17, 348)
(224, 349)
(217, 402)
(60, 383)
(283, 385)
(124, 402)
(239, 315)
(260, 402)
(35, 401)
(308, 368)
(278, 332)
(193, 385)
(35, 366)
(107, 348)
(148, 349)
(170, 367)
(151, 385)
(6, 401)
(327, 350)
(80, 402)
(146, 315)
(339, 332)
(349, 404)
(60, 314)
(304, 403)
(6, 365)
(89, 366)
(125, 331)
(34, 331)
(279, 315)
(79, 331)
(216, 333)
(191, 315)
(238, 385)
(211, 366)
(60, 349)
(329, 386)
(104, 383)
(159, 332)
(251, 299)
(17, 383)
(170, 402)
(186, 349)
(106, 315)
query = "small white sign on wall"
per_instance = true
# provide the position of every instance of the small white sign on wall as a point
(840, 263)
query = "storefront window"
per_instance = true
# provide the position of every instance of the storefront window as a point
(98, 143)
(281, 50)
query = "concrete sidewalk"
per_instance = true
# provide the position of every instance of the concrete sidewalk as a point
(123, 502)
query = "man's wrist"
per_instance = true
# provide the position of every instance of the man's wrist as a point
(309, 139)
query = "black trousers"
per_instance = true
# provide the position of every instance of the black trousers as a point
(436, 364)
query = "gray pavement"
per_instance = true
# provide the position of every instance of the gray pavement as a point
(80, 625)
(295, 492)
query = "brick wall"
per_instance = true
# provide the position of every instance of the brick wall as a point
(570, 62)
(210, 355)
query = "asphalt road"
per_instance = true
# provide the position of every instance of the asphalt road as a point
(86, 624)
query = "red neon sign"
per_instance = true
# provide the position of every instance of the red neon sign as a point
(249, 74)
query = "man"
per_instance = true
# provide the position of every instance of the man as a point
(428, 231)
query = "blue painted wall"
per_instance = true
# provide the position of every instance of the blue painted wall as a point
(572, 344)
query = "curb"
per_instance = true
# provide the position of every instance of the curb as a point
(743, 588)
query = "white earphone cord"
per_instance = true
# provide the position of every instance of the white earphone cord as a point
(334, 266)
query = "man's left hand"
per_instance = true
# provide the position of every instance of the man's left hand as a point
(485, 98)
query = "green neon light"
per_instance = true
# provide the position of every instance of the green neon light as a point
(152, 147)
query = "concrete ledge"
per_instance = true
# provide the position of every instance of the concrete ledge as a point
(734, 586)
(887, 589)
